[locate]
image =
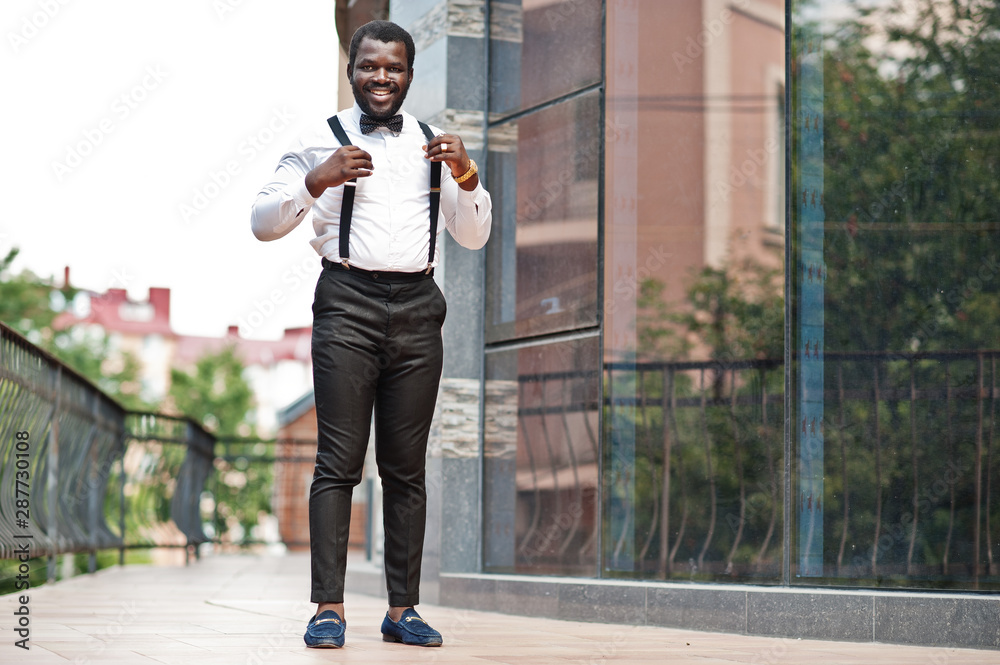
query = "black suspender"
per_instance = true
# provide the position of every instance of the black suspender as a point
(347, 205)
(435, 196)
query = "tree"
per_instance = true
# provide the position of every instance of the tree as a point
(217, 395)
(25, 300)
(27, 304)
(912, 177)
(736, 312)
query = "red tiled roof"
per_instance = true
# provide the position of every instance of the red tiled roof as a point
(115, 313)
(294, 345)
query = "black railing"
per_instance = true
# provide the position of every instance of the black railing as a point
(80, 474)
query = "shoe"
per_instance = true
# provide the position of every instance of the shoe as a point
(410, 629)
(325, 631)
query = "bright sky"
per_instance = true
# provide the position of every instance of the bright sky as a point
(137, 134)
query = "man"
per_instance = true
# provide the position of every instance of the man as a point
(377, 314)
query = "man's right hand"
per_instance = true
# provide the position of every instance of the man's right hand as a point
(347, 162)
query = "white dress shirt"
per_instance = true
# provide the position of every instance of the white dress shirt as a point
(390, 228)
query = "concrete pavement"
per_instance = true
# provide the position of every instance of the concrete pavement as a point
(238, 609)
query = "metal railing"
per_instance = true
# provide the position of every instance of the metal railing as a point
(692, 469)
(78, 473)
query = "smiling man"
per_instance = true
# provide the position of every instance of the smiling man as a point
(373, 178)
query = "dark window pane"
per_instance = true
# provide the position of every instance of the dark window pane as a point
(542, 256)
(541, 50)
(540, 463)
(693, 481)
(896, 158)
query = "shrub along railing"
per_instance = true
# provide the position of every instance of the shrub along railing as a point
(79, 473)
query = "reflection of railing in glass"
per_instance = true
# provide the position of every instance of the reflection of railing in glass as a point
(909, 469)
(556, 477)
(717, 458)
(928, 437)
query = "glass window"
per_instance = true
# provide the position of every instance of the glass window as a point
(894, 192)
(542, 256)
(541, 459)
(694, 295)
(541, 50)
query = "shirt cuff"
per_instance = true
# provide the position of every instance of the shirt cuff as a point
(476, 197)
(300, 195)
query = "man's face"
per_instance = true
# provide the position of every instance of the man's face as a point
(380, 77)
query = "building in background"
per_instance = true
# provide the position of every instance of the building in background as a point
(293, 471)
(278, 370)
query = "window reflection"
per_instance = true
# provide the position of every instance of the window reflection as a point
(541, 50)
(542, 257)
(541, 459)
(694, 295)
(894, 193)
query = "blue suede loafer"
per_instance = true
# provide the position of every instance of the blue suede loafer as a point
(325, 631)
(410, 629)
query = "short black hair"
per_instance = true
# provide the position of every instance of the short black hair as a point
(386, 32)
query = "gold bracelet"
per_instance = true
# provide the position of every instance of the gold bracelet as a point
(473, 170)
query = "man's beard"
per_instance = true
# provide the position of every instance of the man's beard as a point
(359, 97)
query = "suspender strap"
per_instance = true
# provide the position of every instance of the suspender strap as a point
(435, 197)
(347, 204)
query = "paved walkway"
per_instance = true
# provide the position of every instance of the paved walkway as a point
(248, 610)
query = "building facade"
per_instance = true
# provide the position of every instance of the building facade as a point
(728, 360)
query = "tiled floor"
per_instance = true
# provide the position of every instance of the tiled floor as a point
(249, 610)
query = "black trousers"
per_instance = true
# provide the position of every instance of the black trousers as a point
(376, 345)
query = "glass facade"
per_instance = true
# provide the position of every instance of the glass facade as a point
(741, 306)
(895, 307)
(541, 458)
(544, 174)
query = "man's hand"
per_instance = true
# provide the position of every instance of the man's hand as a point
(347, 162)
(448, 148)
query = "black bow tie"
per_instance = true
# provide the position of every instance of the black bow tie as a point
(370, 124)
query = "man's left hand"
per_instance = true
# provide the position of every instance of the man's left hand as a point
(448, 148)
